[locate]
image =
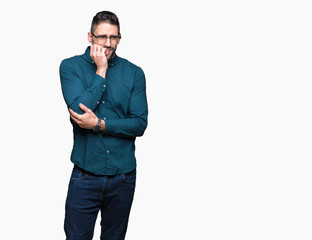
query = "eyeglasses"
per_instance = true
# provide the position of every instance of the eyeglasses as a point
(112, 38)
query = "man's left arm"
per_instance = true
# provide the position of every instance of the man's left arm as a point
(136, 122)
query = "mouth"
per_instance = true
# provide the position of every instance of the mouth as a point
(107, 52)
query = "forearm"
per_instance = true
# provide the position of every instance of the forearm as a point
(90, 97)
(129, 127)
(76, 90)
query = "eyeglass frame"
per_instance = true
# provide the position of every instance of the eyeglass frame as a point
(104, 37)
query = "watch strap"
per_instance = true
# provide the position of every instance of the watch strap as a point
(96, 128)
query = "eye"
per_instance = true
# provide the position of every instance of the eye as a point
(102, 37)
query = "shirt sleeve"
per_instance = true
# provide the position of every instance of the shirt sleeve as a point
(76, 90)
(136, 121)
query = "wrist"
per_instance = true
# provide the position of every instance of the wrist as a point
(102, 127)
(101, 71)
(97, 127)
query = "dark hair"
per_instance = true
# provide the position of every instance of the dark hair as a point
(105, 16)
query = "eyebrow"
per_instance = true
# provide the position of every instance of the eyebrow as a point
(107, 35)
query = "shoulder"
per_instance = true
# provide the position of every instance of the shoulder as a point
(71, 62)
(130, 66)
(72, 59)
(133, 70)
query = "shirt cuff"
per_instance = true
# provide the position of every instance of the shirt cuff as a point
(99, 82)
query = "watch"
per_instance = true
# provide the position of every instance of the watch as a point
(96, 128)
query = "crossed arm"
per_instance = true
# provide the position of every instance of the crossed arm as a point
(82, 103)
(133, 125)
(87, 120)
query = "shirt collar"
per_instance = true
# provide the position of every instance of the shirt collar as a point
(111, 62)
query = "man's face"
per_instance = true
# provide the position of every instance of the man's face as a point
(105, 35)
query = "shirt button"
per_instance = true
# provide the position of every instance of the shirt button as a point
(103, 102)
(104, 118)
(104, 85)
(98, 102)
(107, 151)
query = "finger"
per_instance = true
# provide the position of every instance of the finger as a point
(71, 111)
(84, 108)
(93, 53)
(74, 114)
(99, 51)
(91, 50)
(75, 119)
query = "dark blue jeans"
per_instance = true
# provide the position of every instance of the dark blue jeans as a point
(89, 194)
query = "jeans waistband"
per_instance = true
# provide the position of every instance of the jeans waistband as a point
(96, 175)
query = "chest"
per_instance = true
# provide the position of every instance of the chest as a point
(120, 81)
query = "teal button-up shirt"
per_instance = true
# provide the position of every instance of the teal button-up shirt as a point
(119, 99)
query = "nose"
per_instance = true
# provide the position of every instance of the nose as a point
(108, 42)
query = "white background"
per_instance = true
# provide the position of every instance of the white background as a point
(227, 153)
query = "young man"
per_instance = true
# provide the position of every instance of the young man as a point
(106, 98)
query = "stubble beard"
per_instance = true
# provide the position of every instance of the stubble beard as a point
(112, 54)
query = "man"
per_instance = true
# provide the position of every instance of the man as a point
(106, 98)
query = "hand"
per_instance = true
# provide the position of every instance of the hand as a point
(97, 53)
(87, 120)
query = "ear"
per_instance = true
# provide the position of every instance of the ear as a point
(118, 41)
(90, 38)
